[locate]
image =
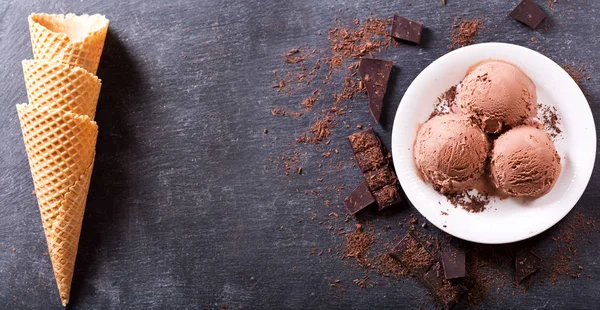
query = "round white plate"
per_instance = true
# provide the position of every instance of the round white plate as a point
(507, 220)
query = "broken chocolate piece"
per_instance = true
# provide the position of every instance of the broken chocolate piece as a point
(528, 13)
(370, 159)
(412, 254)
(359, 199)
(386, 197)
(375, 74)
(379, 178)
(363, 140)
(454, 262)
(444, 290)
(406, 29)
(526, 264)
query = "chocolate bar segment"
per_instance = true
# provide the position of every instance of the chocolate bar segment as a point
(375, 73)
(526, 264)
(444, 290)
(359, 199)
(406, 29)
(379, 178)
(528, 13)
(454, 263)
(386, 197)
(370, 159)
(363, 140)
(412, 254)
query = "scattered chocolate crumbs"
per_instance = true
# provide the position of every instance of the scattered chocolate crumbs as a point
(320, 130)
(576, 228)
(445, 103)
(471, 202)
(289, 162)
(277, 111)
(550, 119)
(464, 32)
(292, 56)
(358, 244)
(310, 100)
(576, 72)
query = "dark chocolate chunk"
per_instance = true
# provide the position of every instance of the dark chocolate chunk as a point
(370, 159)
(454, 262)
(379, 178)
(412, 254)
(444, 290)
(359, 199)
(407, 30)
(363, 140)
(386, 197)
(526, 264)
(375, 74)
(528, 13)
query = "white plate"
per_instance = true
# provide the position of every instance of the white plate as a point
(511, 219)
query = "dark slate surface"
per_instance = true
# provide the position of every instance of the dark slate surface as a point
(181, 212)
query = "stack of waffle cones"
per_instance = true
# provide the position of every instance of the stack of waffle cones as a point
(59, 128)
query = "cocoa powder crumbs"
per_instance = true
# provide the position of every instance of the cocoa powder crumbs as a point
(320, 130)
(311, 71)
(490, 268)
(347, 43)
(293, 56)
(464, 32)
(289, 162)
(364, 38)
(358, 245)
(566, 252)
(308, 102)
(550, 119)
(473, 202)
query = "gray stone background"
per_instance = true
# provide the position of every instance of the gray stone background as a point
(181, 211)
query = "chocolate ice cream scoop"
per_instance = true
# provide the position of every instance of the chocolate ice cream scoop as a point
(524, 162)
(498, 95)
(450, 152)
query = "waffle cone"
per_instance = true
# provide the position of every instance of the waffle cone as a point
(70, 39)
(60, 86)
(60, 147)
